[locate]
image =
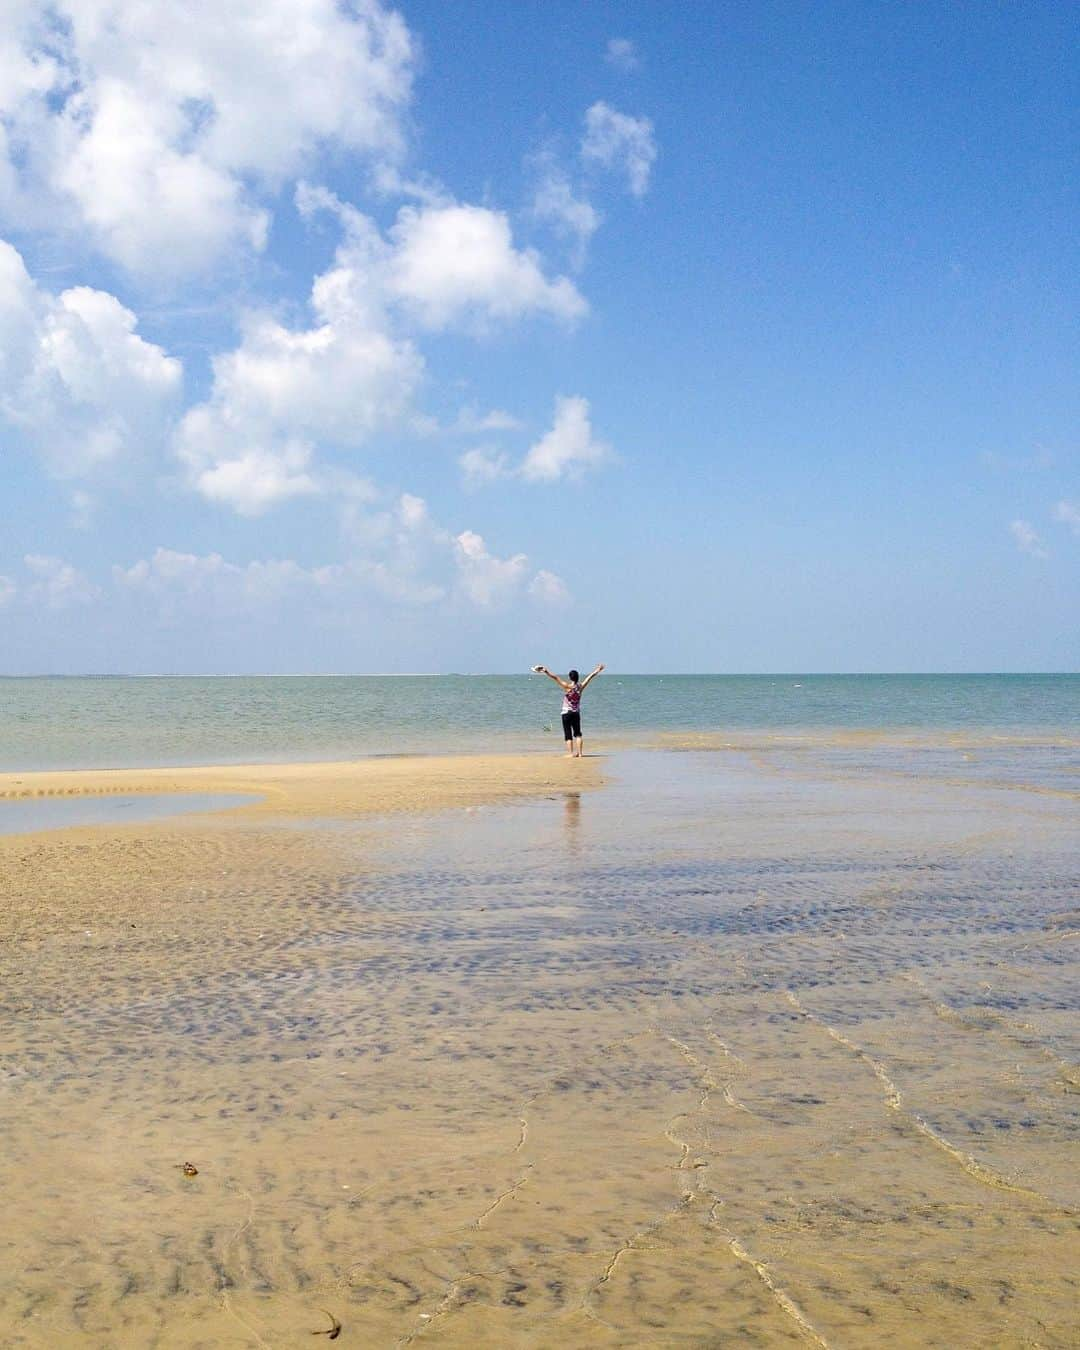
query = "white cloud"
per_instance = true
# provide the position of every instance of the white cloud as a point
(1069, 514)
(56, 584)
(209, 583)
(622, 54)
(443, 264)
(568, 449)
(403, 556)
(549, 588)
(485, 579)
(282, 391)
(471, 423)
(250, 481)
(570, 216)
(621, 143)
(8, 591)
(76, 381)
(412, 511)
(481, 466)
(1027, 540)
(169, 575)
(458, 263)
(155, 129)
(388, 181)
(149, 206)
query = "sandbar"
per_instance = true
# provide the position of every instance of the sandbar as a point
(334, 789)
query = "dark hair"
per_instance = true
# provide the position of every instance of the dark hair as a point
(573, 677)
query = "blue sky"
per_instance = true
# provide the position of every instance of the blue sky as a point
(458, 337)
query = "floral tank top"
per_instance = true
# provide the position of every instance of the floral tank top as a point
(571, 698)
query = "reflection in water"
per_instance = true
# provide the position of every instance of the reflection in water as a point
(572, 821)
(777, 1059)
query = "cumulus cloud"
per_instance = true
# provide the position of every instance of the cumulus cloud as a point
(55, 583)
(169, 577)
(403, 556)
(622, 54)
(154, 130)
(549, 588)
(1069, 514)
(454, 263)
(1027, 540)
(412, 557)
(441, 265)
(572, 217)
(77, 382)
(481, 466)
(285, 391)
(621, 143)
(413, 511)
(485, 579)
(250, 481)
(173, 583)
(568, 449)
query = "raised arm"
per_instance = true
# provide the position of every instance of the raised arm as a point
(543, 670)
(592, 675)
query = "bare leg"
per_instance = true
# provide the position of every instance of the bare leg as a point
(580, 746)
(570, 748)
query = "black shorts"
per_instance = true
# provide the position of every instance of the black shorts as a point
(571, 725)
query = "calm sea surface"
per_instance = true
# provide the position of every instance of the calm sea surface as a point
(99, 722)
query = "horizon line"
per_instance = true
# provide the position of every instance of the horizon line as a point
(502, 674)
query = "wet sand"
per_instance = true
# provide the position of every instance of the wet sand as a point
(735, 1050)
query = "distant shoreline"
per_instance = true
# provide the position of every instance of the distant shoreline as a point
(507, 674)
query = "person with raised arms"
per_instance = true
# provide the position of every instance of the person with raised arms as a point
(573, 687)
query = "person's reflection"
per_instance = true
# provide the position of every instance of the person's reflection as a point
(572, 820)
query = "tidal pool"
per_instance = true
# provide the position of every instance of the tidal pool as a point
(26, 815)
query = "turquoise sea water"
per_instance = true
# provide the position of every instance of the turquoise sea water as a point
(97, 722)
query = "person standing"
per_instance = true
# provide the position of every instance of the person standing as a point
(573, 687)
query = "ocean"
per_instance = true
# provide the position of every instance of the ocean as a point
(101, 722)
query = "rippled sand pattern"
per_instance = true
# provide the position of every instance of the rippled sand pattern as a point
(729, 1053)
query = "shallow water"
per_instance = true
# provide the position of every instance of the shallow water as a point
(66, 723)
(61, 813)
(741, 1049)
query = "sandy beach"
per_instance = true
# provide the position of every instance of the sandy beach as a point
(672, 1047)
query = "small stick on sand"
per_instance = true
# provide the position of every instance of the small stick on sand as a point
(333, 1331)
